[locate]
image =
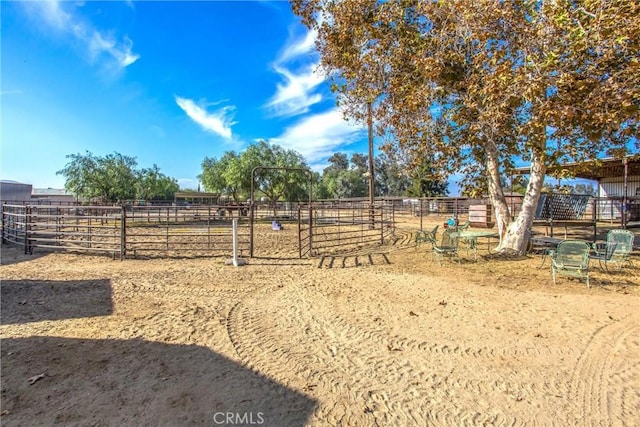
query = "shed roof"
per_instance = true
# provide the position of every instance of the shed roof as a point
(595, 169)
(50, 192)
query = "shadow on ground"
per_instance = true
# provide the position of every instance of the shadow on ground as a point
(24, 301)
(135, 382)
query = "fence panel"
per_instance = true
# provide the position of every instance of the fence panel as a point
(14, 225)
(184, 230)
(342, 227)
(95, 229)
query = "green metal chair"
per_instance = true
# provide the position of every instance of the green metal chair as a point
(448, 248)
(426, 236)
(603, 253)
(571, 258)
(624, 246)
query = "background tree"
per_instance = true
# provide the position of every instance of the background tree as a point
(151, 184)
(216, 174)
(107, 179)
(343, 179)
(391, 177)
(474, 85)
(114, 178)
(232, 173)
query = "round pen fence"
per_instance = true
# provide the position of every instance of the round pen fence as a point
(126, 231)
(330, 228)
(185, 230)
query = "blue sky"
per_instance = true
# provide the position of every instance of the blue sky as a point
(166, 82)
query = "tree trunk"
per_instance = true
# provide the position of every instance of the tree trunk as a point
(496, 193)
(514, 235)
(518, 233)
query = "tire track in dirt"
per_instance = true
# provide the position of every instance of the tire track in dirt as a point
(323, 351)
(610, 361)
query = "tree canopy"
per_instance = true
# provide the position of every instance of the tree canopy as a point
(474, 86)
(231, 174)
(114, 178)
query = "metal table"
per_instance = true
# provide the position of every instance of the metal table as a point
(546, 244)
(472, 237)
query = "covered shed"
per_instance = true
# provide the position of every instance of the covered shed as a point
(196, 198)
(52, 196)
(618, 185)
(14, 191)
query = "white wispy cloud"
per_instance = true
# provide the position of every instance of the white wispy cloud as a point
(98, 44)
(297, 92)
(218, 122)
(296, 95)
(300, 47)
(318, 136)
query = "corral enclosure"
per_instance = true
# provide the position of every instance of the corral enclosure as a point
(151, 231)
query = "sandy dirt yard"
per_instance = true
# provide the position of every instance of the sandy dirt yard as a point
(386, 337)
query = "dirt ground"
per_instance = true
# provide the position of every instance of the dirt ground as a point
(384, 337)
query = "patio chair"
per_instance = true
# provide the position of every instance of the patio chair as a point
(571, 258)
(448, 247)
(461, 227)
(426, 236)
(624, 240)
(603, 253)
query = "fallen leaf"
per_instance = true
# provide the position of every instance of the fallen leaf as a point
(35, 378)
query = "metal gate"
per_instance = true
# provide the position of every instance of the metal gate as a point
(338, 227)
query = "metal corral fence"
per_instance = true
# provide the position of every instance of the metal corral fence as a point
(125, 231)
(340, 226)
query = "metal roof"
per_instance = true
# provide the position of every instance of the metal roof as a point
(593, 169)
(50, 192)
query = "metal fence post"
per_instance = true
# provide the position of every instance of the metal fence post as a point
(4, 222)
(27, 227)
(123, 233)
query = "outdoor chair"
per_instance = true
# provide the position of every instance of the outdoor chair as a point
(426, 236)
(465, 225)
(571, 258)
(624, 240)
(603, 253)
(448, 247)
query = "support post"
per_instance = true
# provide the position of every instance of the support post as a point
(371, 178)
(27, 228)
(123, 233)
(235, 261)
(4, 222)
(625, 199)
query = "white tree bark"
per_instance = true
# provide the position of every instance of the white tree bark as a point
(514, 235)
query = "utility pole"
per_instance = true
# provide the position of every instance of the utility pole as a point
(371, 180)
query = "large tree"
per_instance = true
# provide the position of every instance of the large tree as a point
(216, 174)
(475, 85)
(107, 179)
(114, 178)
(231, 174)
(152, 184)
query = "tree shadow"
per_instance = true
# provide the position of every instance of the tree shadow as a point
(38, 300)
(135, 382)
